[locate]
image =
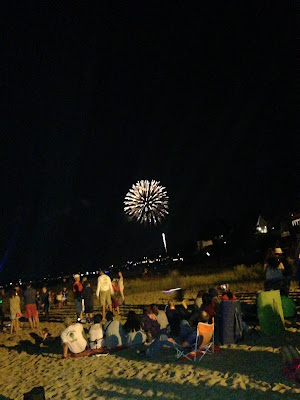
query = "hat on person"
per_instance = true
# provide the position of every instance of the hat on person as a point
(224, 287)
(278, 250)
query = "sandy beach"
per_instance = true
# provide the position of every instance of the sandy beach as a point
(251, 369)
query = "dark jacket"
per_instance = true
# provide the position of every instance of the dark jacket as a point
(87, 295)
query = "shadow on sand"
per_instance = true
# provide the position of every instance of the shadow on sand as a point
(135, 389)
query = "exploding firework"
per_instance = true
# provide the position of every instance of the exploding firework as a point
(147, 202)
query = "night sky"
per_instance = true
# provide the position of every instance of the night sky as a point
(198, 97)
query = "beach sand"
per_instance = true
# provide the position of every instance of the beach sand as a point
(249, 370)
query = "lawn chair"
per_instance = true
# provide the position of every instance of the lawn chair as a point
(204, 343)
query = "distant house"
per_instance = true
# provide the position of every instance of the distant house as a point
(296, 222)
(295, 219)
(201, 244)
(261, 225)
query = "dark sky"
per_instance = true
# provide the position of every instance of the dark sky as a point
(93, 99)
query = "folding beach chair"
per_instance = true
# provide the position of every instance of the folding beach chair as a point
(204, 343)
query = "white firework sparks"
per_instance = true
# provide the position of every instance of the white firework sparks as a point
(147, 202)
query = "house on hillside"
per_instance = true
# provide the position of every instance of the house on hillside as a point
(295, 219)
(261, 225)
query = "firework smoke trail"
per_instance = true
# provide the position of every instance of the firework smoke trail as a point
(147, 202)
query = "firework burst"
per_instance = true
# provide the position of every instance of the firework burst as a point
(147, 202)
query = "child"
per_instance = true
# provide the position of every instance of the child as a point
(15, 312)
(64, 294)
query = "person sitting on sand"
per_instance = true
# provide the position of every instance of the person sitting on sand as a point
(226, 293)
(134, 330)
(113, 332)
(188, 329)
(15, 312)
(229, 296)
(150, 324)
(174, 317)
(207, 305)
(96, 335)
(198, 300)
(161, 319)
(30, 307)
(214, 298)
(188, 333)
(73, 338)
(214, 295)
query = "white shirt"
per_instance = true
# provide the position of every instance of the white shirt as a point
(96, 336)
(104, 284)
(74, 338)
(162, 319)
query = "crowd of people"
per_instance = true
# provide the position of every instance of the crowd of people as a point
(153, 327)
(38, 302)
(35, 302)
(108, 293)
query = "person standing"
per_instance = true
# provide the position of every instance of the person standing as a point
(274, 276)
(87, 295)
(15, 311)
(30, 307)
(64, 294)
(105, 291)
(121, 286)
(45, 302)
(77, 290)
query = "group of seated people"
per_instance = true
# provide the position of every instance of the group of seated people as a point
(110, 335)
(154, 326)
